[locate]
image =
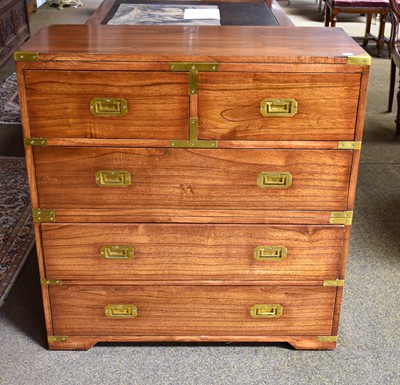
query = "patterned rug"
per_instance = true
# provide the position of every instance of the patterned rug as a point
(9, 103)
(16, 231)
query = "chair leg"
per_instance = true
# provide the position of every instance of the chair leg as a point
(367, 29)
(334, 17)
(327, 15)
(381, 38)
(397, 121)
(391, 86)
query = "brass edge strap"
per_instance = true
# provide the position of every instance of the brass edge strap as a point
(193, 66)
(35, 142)
(45, 281)
(334, 282)
(57, 338)
(349, 145)
(26, 56)
(327, 338)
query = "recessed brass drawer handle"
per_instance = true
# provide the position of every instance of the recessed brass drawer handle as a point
(266, 311)
(113, 178)
(274, 179)
(278, 107)
(270, 253)
(117, 252)
(121, 311)
(108, 106)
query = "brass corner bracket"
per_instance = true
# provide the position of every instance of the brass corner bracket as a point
(359, 60)
(43, 215)
(341, 218)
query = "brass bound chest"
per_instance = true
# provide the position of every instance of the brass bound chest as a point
(192, 183)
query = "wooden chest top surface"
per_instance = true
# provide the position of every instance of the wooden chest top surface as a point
(224, 44)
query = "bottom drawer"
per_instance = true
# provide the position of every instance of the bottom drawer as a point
(191, 310)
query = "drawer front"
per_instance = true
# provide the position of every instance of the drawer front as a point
(59, 104)
(192, 179)
(186, 252)
(191, 310)
(230, 106)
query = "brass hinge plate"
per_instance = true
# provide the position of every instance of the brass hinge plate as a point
(57, 338)
(193, 69)
(334, 282)
(359, 60)
(35, 142)
(349, 145)
(48, 282)
(193, 141)
(26, 56)
(43, 215)
(341, 218)
(327, 338)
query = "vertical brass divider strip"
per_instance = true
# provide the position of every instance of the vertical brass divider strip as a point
(193, 69)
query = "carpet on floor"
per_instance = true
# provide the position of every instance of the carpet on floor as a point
(16, 232)
(9, 103)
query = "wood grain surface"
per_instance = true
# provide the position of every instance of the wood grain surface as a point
(192, 310)
(191, 252)
(229, 106)
(192, 179)
(225, 44)
(59, 104)
(193, 216)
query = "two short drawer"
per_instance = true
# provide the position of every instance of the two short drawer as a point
(191, 310)
(155, 105)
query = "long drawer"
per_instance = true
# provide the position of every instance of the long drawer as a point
(107, 104)
(192, 310)
(192, 179)
(278, 106)
(189, 252)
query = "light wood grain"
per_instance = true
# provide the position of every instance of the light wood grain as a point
(191, 252)
(59, 104)
(192, 179)
(192, 310)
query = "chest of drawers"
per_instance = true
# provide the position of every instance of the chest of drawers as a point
(192, 183)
